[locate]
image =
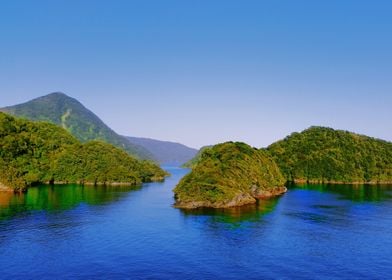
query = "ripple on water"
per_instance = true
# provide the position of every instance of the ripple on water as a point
(311, 232)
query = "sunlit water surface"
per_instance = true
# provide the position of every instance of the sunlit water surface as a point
(76, 232)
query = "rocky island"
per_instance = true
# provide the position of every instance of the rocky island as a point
(227, 175)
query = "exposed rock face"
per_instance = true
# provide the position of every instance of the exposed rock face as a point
(228, 175)
(269, 193)
(4, 188)
(239, 200)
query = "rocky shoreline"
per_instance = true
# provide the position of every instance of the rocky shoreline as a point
(4, 188)
(239, 200)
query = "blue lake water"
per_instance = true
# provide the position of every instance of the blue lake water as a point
(311, 232)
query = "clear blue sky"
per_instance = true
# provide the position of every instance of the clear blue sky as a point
(202, 72)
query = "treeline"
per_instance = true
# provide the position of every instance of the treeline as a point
(321, 154)
(36, 152)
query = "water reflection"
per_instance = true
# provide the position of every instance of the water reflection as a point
(319, 211)
(233, 215)
(59, 197)
(356, 193)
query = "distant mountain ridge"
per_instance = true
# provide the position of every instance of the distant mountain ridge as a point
(165, 152)
(69, 113)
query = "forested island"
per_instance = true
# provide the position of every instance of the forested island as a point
(40, 152)
(229, 174)
(325, 155)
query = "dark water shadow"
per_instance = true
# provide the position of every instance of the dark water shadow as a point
(59, 197)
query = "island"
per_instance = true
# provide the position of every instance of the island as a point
(227, 175)
(325, 155)
(40, 152)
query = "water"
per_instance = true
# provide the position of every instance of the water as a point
(63, 232)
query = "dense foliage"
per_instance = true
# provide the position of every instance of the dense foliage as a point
(321, 154)
(193, 161)
(228, 174)
(71, 115)
(33, 152)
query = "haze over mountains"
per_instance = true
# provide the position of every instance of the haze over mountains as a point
(69, 113)
(166, 152)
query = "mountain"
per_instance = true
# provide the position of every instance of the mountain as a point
(71, 115)
(230, 174)
(164, 152)
(40, 152)
(321, 154)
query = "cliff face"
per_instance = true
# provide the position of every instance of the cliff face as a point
(227, 175)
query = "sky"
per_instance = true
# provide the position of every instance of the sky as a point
(206, 71)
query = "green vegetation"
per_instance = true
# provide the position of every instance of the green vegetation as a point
(64, 197)
(195, 160)
(35, 152)
(229, 174)
(321, 154)
(71, 115)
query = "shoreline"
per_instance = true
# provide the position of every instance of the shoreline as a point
(332, 182)
(238, 201)
(4, 188)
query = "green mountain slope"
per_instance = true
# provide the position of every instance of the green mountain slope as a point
(71, 115)
(36, 152)
(165, 152)
(193, 161)
(320, 154)
(229, 174)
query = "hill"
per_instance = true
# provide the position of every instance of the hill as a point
(40, 152)
(229, 174)
(164, 152)
(71, 115)
(320, 154)
(193, 161)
